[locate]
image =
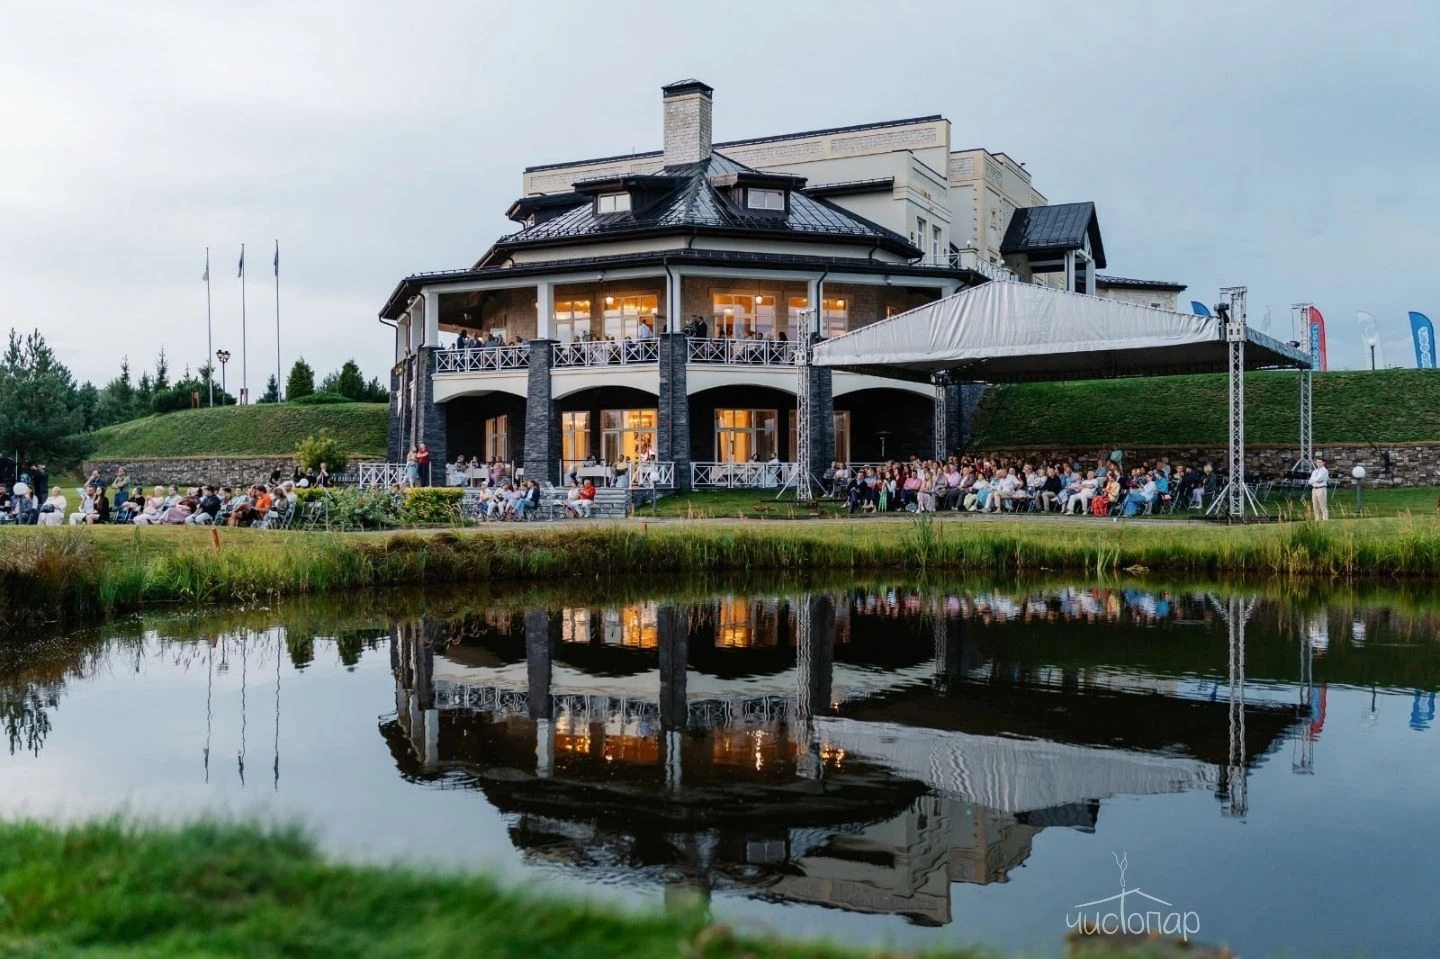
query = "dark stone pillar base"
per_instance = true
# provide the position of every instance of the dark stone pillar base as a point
(542, 418)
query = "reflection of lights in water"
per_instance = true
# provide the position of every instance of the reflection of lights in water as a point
(1357, 632)
(1319, 635)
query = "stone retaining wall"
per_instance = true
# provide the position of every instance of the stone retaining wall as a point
(213, 470)
(1411, 464)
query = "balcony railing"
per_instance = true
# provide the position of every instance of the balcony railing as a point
(742, 352)
(740, 475)
(381, 475)
(480, 359)
(972, 260)
(607, 353)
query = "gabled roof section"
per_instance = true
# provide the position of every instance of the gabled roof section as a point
(695, 197)
(1054, 229)
(544, 203)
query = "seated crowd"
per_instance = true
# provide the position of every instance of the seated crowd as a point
(121, 501)
(1000, 484)
(523, 500)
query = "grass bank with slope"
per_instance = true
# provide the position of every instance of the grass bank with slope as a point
(212, 890)
(1384, 406)
(266, 429)
(47, 574)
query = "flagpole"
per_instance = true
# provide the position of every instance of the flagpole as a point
(209, 331)
(244, 347)
(279, 383)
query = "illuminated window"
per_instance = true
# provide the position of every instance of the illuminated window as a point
(623, 314)
(574, 625)
(732, 628)
(497, 439)
(574, 438)
(639, 626)
(738, 315)
(572, 320)
(612, 203)
(626, 433)
(745, 435)
(840, 423)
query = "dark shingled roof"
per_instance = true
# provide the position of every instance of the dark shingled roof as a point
(1125, 282)
(691, 196)
(1054, 229)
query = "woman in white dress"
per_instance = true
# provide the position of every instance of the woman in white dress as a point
(52, 511)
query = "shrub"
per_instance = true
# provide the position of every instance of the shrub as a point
(429, 505)
(315, 399)
(356, 508)
(321, 447)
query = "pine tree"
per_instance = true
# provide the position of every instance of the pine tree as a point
(301, 381)
(117, 398)
(272, 391)
(162, 372)
(41, 416)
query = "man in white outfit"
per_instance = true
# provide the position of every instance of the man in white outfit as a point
(1319, 490)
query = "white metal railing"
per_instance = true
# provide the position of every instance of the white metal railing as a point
(742, 352)
(607, 353)
(973, 260)
(477, 359)
(646, 474)
(740, 475)
(381, 474)
(655, 474)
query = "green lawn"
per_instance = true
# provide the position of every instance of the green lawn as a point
(1387, 406)
(261, 430)
(107, 890)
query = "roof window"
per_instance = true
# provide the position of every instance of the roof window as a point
(612, 203)
(758, 199)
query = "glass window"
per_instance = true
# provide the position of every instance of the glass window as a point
(612, 203)
(574, 625)
(572, 320)
(639, 626)
(765, 199)
(626, 433)
(574, 438)
(497, 439)
(732, 628)
(743, 436)
(935, 243)
(741, 315)
(623, 313)
(834, 314)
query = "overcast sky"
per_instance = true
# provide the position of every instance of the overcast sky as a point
(1288, 146)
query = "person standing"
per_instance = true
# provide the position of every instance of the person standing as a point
(1320, 490)
(422, 460)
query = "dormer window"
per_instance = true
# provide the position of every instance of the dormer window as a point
(612, 203)
(758, 199)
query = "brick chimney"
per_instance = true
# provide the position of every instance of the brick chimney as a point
(687, 121)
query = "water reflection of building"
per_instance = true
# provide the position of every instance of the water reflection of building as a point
(798, 748)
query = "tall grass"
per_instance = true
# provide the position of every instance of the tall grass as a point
(46, 574)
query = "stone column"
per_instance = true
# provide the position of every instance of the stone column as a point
(970, 394)
(542, 419)
(670, 624)
(673, 441)
(432, 416)
(537, 662)
(955, 417)
(822, 419)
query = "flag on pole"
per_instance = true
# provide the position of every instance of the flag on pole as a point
(242, 262)
(206, 277)
(277, 258)
(1423, 332)
(1316, 334)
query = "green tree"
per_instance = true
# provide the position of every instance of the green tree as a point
(272, 391)
(347, 381)
(301, 381)
(89, 398)
(375, 393)
(321, 447)
(117, 398)
(41, 416)
(144, 396)
(162, 372)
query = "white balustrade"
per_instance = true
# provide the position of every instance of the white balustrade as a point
(607, 353)
(479, 359)
(381, 474)
(732, 352)
(740, 475)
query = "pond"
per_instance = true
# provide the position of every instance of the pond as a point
(880, 762)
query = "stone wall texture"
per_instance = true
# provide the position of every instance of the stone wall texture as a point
(1410, 464)
(213, 470)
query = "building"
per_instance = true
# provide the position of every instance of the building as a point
(650, 306)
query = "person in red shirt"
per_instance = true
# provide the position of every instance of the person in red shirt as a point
(422, 457)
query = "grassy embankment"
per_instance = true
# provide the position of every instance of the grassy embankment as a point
(235, 890)
(1386, 406)
(50, 573)
(266, 429)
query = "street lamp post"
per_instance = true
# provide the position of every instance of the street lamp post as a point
(224, 357)
(1370, 341)
(1358, 474)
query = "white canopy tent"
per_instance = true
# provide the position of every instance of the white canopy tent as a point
(1009, 332)
(1006, 332)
